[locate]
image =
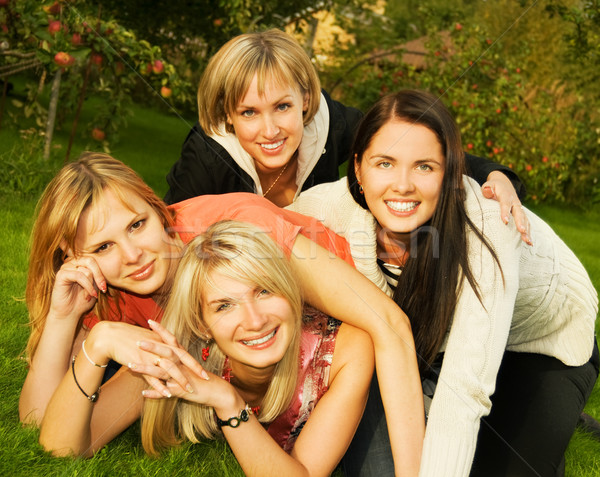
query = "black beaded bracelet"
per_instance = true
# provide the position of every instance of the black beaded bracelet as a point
(235, 421)
(93, 397)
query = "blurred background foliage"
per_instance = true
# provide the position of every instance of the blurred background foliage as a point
(520, 76)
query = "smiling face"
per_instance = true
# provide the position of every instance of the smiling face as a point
(251, 325)
(401, 173)
(270, 126)
(129, 243)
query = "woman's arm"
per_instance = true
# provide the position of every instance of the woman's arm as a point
(74, 293)
(334, 287)
(480, 169)
(475, 347)
(331, 426)
(73, 425)
(500, 183)
(499, 187)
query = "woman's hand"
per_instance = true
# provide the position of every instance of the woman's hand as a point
(74, 293)
(76, 287)
(175, 372)
(499, 187)
(118, 341)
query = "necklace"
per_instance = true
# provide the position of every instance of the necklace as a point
(275, 181)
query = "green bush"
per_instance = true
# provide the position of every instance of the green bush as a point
(547, 135)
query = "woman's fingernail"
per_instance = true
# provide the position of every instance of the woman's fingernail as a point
(189, 388)
(151, 322)
(144, 392)
(167, 393)
(204, 375)
(505, 219)
(131, 365)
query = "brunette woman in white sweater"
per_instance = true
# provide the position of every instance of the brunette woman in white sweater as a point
(500, 326)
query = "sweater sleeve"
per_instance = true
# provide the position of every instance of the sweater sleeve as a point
(475, 345)
(204, 167)
(479, 169)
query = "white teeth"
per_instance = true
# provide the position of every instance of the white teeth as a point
(262, 340)
(274, 145)
(402, 206)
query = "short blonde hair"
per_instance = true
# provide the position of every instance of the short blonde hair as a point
(245, 253)
(77, 186)
(272, 54)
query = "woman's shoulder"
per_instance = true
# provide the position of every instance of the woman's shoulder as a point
(324, 199)
(343, 118)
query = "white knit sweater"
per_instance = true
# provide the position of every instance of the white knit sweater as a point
(547, 304)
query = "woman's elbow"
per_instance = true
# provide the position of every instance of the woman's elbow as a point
(29, 415)
(58, 449)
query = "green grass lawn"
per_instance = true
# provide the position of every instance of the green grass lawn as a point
(150, 144)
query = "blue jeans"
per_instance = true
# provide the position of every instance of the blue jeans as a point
(535, 409)
(369, 453)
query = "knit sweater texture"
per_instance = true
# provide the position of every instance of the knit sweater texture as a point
(542, 302)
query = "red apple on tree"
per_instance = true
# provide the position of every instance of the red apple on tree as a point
(217, 22)
(54, 27)
(98, 134)
(63, 59)
(158, 67)
(97, 59)
(55, 8)
(76, 39)
(165, 92)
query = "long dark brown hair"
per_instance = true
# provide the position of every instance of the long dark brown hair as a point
(431, 279)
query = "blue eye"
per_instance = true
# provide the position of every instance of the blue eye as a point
(284, 106)
(223, 307)
(424, 167)
(247, 114)
(385, 165)
(102, 248)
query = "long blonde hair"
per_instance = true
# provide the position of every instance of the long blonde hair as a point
(245, 253)
(271, 54)
(77, 186)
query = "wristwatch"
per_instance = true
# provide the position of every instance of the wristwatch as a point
(235, 421)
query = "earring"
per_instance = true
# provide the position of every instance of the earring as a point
(360, 189)
(205, 353)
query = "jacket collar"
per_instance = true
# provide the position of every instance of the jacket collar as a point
(310, 150)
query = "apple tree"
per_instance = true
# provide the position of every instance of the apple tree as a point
(71, 51)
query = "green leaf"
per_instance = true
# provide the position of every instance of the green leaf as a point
(81, 54)
(44, 34)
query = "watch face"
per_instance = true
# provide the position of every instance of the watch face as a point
(244, 415)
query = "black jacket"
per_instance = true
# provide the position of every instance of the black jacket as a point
(205, 167)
